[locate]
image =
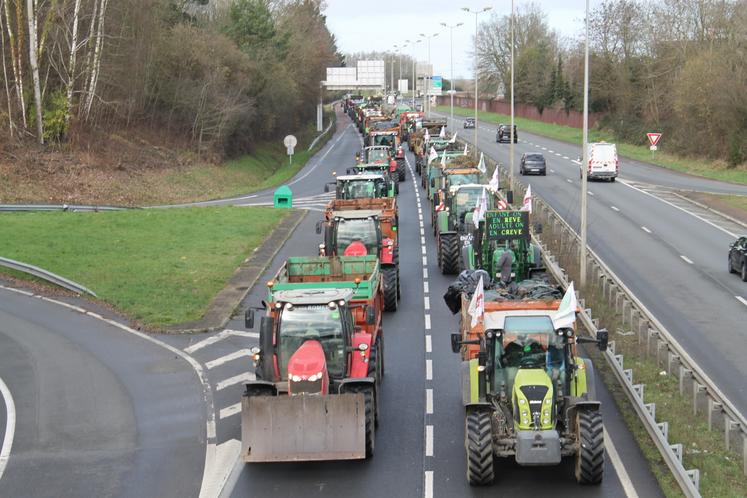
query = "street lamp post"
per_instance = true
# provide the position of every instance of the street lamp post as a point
(451, 63)
(427, 103)
(476, 13)
(585, 145)
(391, 72)
(414, 77)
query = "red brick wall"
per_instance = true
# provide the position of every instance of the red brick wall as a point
(552, 116)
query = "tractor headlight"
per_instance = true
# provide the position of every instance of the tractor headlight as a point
(296, 378)
(545, 421)
(522, 401)
(315, 377)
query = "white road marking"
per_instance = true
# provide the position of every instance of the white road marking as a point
(425, 287)
(429, 343)
(428, 486)
(428, 369)
(422, 232)
(422, 240)
(427, 322)
(425, 272)
(645, 229)
(429, 440)
(425, 261)
(429, 401)
(229, 357)
(569, 180)
(557, 154)
(219, 337)
(543, 148)
(742, 300)
(427, 303)
(615, 208)
(622, 474)
(577, 162)
(551, 151)
(10, 426)
(229, 411)
(236, 379)
(566, 157)
(552, 171)
(591, 193)
(686, 259)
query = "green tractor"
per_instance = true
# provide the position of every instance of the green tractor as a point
(453, 221)
(433, 169)
(528, 395)
(363, 186)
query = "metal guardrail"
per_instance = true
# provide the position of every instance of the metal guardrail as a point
(59, 207)
(45, 275)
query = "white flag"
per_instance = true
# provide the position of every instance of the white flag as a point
(432, 155)
(453, 139)
(465, 150)
(427, 135)
(442, 133)
(443, 158)
(479, 213)
(495, 181)
(477, 304)
(527, 205)
(565, 317)
(481, 164)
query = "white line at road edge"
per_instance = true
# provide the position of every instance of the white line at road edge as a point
(207, 488)
(10, 426)
(622, 474)
(686, 259)
(319, 161)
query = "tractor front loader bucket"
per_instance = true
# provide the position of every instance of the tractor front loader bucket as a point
(299, 428)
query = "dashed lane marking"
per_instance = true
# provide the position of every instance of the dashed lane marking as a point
(591, 193)
(427, 322)
(429, 369)
(232, 381)
(614, 208)
(425, 287)
(552, 171)
(686, 259)
(229, 411)
(429, 401)
(569, 180)
(241, 353)
(741, 300)
(429, 440)
(425, 260)
(429, 343)
(425, 272)
(427, 303)
(422, 240)
(428, 487)
(645, 229)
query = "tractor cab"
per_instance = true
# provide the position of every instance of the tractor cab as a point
(353, 228)
(376, 154)
(363, 186)
(461, 202)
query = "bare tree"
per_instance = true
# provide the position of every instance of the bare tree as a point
(34, 63)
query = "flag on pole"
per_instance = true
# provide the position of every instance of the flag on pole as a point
(495, 180)
(432, 155)
(427, 135)
(442, 133)
(443, 158)
(479, 213)
(481, 164)
(565, 316)
(453, 139)
(527, 204)
(465, 150)
(477, 304)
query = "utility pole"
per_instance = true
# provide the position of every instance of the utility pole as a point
(585, 156)
(427, 80)
(476, 13)
(451, 63)
(414, 76)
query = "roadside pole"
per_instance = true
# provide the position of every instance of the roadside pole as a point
(585, 156)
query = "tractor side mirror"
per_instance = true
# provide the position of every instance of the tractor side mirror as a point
(510, 197)
(602, 339)
(370, 315)
(266, 347)
(319, 227)
(326, 188)
(538, 228)
(456, 342)
(249, 319)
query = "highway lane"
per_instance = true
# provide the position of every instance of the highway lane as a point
(674, 262)
(99, 412)
(400, 464)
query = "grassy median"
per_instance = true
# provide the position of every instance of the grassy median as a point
(159, 267)
(694, 166)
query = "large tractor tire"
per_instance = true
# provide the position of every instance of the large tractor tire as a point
(478, 441)
(369, 395)
(590, 456)
(401, 170)
(448, 249)
(390, 288)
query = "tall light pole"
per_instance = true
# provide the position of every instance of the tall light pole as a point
(399, 75)
(427, 105)
(414, 76)
(451, 62)
(476, 13)
(391, 72)
(585, 145)
(511, 135)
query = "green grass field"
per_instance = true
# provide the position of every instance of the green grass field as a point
(693, 166)
(159, 267)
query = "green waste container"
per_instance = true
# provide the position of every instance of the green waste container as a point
(283, 197)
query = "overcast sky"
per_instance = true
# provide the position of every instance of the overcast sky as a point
(361, 26)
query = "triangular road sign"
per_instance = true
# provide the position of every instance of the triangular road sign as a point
(653, 138)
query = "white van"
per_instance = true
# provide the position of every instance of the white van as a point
(603, 161)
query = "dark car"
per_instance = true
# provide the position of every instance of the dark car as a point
(469, 123)
(534, 163)
(503, 134)
(738, 258)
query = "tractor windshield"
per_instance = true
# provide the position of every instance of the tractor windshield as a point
(377, 155)
(312, 323)
(363, 189)
(363, 230)
(464, 179)
(530, 342)
(387, 140)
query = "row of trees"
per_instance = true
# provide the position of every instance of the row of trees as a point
(225, 73)
(676, 66)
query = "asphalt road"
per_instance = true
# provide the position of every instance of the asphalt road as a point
(419, 444)
(99, 412)
(674, 262)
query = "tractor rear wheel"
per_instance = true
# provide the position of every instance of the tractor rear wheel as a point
(478, 441)
(448, 248)
(401, 171)
(590, 455)
(390, 288)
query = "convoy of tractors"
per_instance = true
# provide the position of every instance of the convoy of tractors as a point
(527, 393)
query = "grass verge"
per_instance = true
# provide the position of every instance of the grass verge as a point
(159, 267)
(700, 167)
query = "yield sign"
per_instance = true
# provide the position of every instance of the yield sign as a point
(653, 138)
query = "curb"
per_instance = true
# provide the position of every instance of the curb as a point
(243, 280)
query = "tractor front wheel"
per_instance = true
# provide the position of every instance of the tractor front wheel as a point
(590, 455)
(448, 249)
(478, 441)
(369, 396)
(390, 288)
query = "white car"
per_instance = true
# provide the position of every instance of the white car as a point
(603, 162)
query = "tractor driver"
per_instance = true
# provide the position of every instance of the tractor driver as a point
(356, 248)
